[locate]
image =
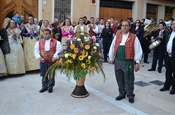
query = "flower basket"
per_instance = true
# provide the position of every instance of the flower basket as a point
(81, 57)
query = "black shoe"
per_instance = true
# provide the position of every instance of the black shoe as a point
(120, 97)
(172, 92)
(43, 90)
(146, 62)
(164, 89)
(131, 100)
(50, 89)
(151, 69)
(159, 71)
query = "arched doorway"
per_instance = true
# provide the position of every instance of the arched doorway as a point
(23, 7)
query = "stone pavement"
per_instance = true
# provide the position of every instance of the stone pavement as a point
(19, 95)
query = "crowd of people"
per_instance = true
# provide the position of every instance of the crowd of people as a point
(19, 37)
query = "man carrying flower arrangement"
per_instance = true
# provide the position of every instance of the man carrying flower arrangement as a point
(124, 50)
(47, 50)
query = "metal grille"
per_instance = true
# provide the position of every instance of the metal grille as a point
(62, 9)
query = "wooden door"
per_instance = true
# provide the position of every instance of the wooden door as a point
(117, 13)
(23, 7)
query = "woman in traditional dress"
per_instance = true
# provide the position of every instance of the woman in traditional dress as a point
(66, 30)
(30, 34)
(15, 59)
(3, 70)
(4, 47)
(45, 25)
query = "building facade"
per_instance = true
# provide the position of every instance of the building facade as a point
(73, 9)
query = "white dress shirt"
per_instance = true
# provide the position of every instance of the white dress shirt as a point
(81, 28)
(100, 28)
(47, 48)
(94, 30)
(137, 48)
(170, 42)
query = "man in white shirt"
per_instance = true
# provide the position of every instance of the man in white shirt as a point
(92, 28)
(170, 62)
(47, 50)
(125, 52)
(81, 28)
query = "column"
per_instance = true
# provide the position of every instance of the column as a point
(138, 9)
(161, 12)
(39, 9)
(173, 12)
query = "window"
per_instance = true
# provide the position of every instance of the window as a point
(151, 11)
(62, 9)
(168, 12)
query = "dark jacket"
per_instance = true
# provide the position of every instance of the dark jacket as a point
(4, 44)
(57, 33)
(162, 45)
(173, 46)
(139, 32)
(107, 35)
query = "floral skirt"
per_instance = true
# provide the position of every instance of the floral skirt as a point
(3, 70)
(15, 60)
(30, 62)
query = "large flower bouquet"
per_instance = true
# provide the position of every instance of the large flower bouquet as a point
(81, 57)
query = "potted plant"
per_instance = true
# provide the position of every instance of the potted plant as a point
(81, 57)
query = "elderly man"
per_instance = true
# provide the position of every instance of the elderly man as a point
(170, 62)
(126, 52)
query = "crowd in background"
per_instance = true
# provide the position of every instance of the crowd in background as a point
(19, 36)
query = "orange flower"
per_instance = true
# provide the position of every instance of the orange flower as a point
(76, 50)
(92, 69)
(73, 56)
(72, 46)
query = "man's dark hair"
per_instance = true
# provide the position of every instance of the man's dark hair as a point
(112, 17)
(80, 18)
(163, 23)
(47, 30)
(92, 18)
(85, 17)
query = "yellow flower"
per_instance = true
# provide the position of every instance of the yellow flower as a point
(76, 50)
(86, 54)
(83, 52)
(94, 51)
(92, 69)
(59, 61)
(83, 65)
(72, 46)
(80, 58)
(68, 61)
(87, 47)
(73, 56)
(70, 54)
(81, 45)
(88, 61)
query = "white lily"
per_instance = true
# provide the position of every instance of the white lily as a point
(94, 47)
(66, 55)
(89, 57)
(97, 44)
